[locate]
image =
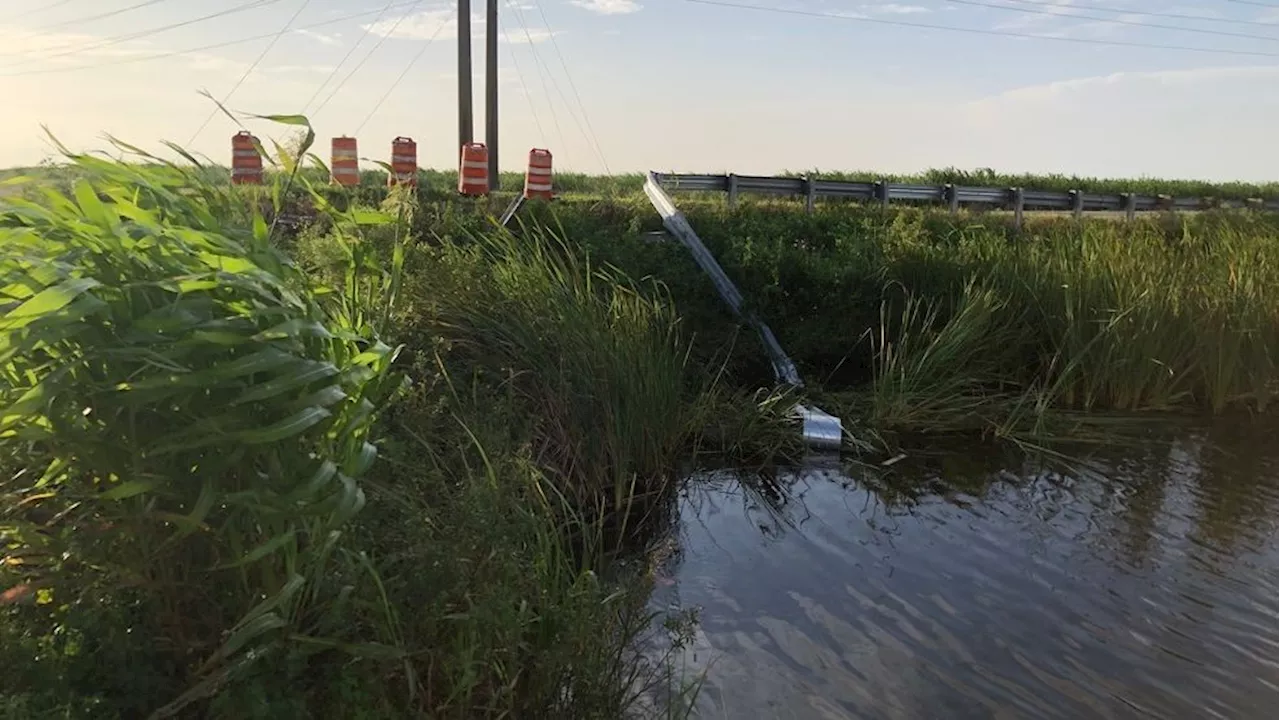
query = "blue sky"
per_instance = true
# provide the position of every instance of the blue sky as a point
(676, 85)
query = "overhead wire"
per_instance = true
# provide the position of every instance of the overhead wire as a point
(524, 88)
(400, 77)
(103, 16)
(1117, 21)
(35, 10)
(543, 74)
(365, 59)
(1258, 4)
(975, 31)
(1145, 13)
(201, 48)
(249, 70)
(574, 88)
(351, 50)
(77, 48)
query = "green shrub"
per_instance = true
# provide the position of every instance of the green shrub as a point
(185, 422)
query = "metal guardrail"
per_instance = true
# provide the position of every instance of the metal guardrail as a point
(516, 203)
(1017, 199)
(820, 430)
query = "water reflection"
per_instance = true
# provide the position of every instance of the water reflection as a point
(957, 586)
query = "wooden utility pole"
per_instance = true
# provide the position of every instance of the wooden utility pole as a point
(491, 90)
(465, 125)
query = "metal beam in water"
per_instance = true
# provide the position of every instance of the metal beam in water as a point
(820, 430)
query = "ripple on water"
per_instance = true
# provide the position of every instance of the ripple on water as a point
(1144, 588)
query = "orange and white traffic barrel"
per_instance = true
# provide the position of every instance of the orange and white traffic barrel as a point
(404, 162)
(473, 171)
(246, 161)
(537, 179)
(344, 162)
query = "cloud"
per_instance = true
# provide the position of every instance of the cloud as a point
(896, 9)
(1055, 125)
(319, 37)
(443, 25)
(1063, 88)
(35, 51)
(422, 25)
(1047, 15)
(608, 7)
(533, 37)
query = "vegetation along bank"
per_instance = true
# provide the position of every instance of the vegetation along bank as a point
(387, 463)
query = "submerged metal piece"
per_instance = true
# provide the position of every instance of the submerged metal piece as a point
(820, 430)
(511, 210)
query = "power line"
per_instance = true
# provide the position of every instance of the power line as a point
(365, 59)
(1258, 4)
(347, 56)
(1117, 21)
(975, 31)
(515, 63)
(250, 69)
(404, 72)
(102, 16)
(581, 107)
(36, 10)
(201, 48)
(115, 40)
(543, 74)
(1145, 13)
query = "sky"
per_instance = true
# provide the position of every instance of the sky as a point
(1086, 87)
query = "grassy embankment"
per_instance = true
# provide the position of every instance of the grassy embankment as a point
(925, 322)
(192, 505)
(910, 319)
(357, 473)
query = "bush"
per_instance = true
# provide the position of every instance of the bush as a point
(185, 423)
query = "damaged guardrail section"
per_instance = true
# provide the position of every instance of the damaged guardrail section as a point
(820, 430)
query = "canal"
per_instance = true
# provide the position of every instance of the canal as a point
(1141, 583)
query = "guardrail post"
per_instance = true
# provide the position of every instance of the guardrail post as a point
(1130, 206)
(810, 194)
(1019, 199)
(1165, 202)
(1077, 204)
(952, 195)
(882, 192)
(733, 190)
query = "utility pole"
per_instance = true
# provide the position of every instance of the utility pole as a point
(491, 90)
(465, 125)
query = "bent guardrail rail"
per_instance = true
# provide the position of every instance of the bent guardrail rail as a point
(820, 430)
(512, 209)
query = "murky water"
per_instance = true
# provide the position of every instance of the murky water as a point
(951, 587)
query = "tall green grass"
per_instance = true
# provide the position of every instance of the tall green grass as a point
(213, 503)
(185, 423)
(595, 364)
(1162, 314)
